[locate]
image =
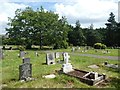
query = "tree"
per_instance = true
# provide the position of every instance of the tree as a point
(76, 37)
(38, 27)
(21, 28)
(111, 27)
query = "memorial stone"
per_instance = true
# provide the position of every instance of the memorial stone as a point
(25, 71)
(50, 58)
(26, 60)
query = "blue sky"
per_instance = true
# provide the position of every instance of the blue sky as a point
(88, 12)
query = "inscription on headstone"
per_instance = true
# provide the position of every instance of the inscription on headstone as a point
(50, 58)
(25, 71)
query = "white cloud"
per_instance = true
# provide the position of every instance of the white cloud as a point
(8, 10)
(87, 11)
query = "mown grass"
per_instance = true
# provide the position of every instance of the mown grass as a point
(10, 71)
(112, 52)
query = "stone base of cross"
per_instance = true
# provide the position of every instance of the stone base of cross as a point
(67, 67)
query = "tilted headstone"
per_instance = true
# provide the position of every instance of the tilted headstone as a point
(67, 67)
(26, 60)
(25, 71)
(50, 58)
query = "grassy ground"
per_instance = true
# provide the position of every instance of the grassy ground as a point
(112, 52)
(10, 71)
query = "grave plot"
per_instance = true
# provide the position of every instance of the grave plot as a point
(90, 78)
(50, 58)
(114, 66)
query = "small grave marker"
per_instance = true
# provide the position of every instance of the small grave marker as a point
(22, 54)
(26, 60)
(36, 54)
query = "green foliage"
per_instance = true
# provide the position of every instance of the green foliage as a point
(99, 46)
(30, 27)
(21, 48)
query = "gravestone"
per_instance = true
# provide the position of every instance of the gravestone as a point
(22, 54)
(26, 60)
(67, 67)
(50, 58)
(73, 49)
(36, 54)
(1, 54)
(25, 71)
(57, 55)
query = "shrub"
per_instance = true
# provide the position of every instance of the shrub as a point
(99, 46)
(21, 48)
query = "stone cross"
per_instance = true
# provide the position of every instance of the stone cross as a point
(66, 57)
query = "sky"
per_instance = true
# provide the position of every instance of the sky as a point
(88, 12)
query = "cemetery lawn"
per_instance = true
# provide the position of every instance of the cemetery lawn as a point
(10, 71)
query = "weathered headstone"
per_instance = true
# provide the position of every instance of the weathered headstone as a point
(26, 60)
(57, 55)
(25, 71)
(67, 67)
(1, 53)
(50, 58)
(22, 54)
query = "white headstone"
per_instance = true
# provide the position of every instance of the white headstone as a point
(96, 75)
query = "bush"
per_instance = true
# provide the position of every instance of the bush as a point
(21, 48)
(99, 46)
(62, 44)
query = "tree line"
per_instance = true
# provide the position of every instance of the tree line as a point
(44, 28)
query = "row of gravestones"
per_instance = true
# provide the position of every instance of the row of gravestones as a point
(23, 53)
(50, 57)
(25, 69)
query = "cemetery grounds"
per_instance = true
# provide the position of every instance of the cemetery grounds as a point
(9, 70)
